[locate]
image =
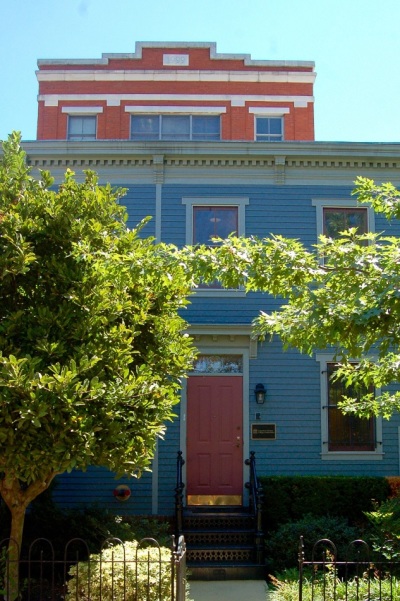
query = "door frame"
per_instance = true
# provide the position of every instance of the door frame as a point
(222, 345)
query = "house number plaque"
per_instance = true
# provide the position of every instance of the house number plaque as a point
(263, 431)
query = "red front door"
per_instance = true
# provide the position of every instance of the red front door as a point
(215, 440)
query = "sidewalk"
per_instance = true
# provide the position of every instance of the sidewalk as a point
(228, 590)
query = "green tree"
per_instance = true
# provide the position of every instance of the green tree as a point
(92, 348)
(344, 294)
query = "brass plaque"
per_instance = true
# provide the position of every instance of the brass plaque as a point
(214, 499)
(263, 431)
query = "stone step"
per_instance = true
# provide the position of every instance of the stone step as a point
(228, 571)
(227, 554)
(208, 521)
(219, 537)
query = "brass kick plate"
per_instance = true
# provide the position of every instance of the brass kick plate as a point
(214, 499)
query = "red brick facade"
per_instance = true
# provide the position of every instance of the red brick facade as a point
(172, 77)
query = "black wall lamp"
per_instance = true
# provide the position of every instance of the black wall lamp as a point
(260, 393)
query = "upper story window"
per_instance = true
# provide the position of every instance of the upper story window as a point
(175, 127)
(213, 222)
(337, 215)
(82, 127)
(214, 217)
(269, 129)
(339, 219)
(347, 432)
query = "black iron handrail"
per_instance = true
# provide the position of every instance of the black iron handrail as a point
(256, 497)
(180, 462)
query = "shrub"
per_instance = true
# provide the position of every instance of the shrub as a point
(290, 498)
(286, 588)
(282, 546)
(394, 483)
(139, 572)
(385, 527)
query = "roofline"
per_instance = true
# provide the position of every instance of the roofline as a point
(54, 148)
(212, 46)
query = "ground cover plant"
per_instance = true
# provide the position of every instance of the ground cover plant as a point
(285, 587)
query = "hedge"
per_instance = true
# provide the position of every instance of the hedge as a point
(290, 498)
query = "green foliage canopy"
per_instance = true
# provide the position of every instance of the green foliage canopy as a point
(344, 295)
(92, 347)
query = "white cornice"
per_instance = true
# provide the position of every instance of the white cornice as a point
(284, 163)
(214, 55)
(346, 152)
(116, 99)
(91, 75)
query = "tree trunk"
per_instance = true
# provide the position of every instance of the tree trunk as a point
(17, 500)
(13, 554)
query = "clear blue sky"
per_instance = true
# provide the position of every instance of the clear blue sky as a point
(355, 45)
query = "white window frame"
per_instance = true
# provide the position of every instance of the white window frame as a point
(191, 111)
(340, 203)
(214, 201)
(81, 111)
(326, 455)
(269, 112)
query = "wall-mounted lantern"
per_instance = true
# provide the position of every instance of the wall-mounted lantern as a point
(260, 393)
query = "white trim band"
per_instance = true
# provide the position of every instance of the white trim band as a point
(116, 99)
(201, 110)
(188, 76)
(265, 110)
(82, 110)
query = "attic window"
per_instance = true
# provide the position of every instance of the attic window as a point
(269, 129)
(82, 127)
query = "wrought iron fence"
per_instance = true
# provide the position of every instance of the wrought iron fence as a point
(363, 574)
(142, 571)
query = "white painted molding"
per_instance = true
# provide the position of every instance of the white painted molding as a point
(163, 109)
(70, 75)
(268, 110)
(82, 110)
(116, 99)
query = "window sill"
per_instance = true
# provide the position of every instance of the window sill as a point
(353, 456)
(219, 292)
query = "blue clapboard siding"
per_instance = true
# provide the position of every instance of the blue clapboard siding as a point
(96, 486)
(140, 203)
(167, 455)
(293, 403)
(292, 380)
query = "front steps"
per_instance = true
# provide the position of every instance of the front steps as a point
(221, 544)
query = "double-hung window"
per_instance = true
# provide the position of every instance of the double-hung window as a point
(213, 222)
(334, 216)
(208, 218)
(339, 219)
(346, 432)
(345, 436)
(269, 129)
(175, 127)
(82, 127)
